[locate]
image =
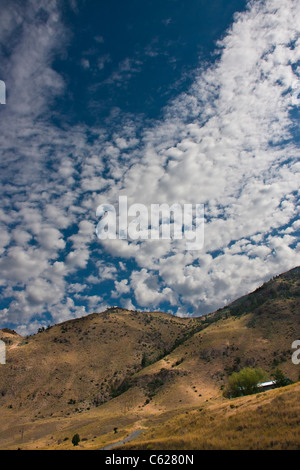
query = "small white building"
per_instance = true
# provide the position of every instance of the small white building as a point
(266, 385)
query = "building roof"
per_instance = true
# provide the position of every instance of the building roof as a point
(266, 384)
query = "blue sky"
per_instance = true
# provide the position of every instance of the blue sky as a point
(164, 102)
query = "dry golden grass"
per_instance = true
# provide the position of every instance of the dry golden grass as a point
(72, 366)
(270, 420)
(62, 375)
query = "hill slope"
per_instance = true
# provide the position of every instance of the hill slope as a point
(84, 361)
(266, 421)
(131, 370)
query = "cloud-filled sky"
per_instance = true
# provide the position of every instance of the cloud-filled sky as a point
(189, 102)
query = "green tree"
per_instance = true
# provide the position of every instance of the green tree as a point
(144, 361)
(75, 440)
(244, 382)
(281, 380)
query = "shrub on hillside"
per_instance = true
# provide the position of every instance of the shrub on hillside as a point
(244, 382)
(75, 440)
(281, 380)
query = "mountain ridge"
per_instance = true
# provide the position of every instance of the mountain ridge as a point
(128, 369)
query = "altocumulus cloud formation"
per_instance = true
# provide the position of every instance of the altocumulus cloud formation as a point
(229, 140)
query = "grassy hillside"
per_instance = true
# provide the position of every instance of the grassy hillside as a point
(266, 421)
(131, 370)
(84, 362)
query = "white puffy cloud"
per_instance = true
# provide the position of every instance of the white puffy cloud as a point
(21, 265)
(147, 290)
(225, 142)
(236, 157)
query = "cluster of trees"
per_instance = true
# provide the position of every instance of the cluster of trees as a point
(245, 382)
